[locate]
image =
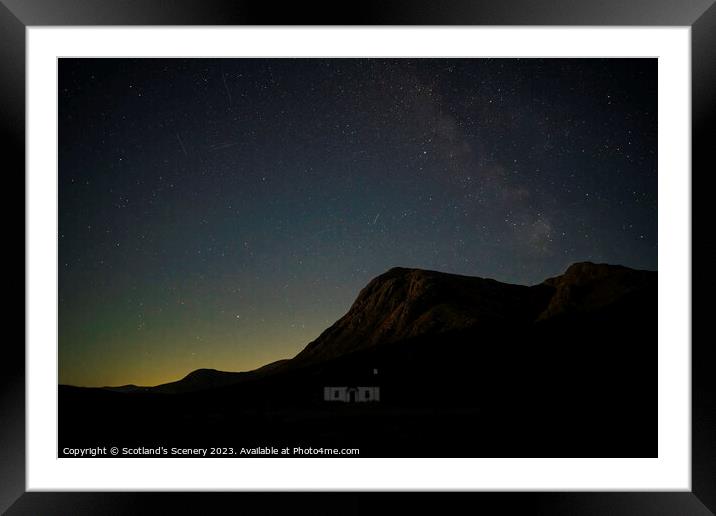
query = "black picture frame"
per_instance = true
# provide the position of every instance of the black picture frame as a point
(17, 15)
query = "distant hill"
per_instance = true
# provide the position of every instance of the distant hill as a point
(201, 379)
(586, 287)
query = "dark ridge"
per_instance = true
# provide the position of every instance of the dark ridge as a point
(405, 303)
(588, 286)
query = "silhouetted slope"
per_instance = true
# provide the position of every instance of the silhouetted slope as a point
(588, 286)
(202, 379)
(126, 388)
(406, 303)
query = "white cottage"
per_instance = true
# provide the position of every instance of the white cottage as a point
(351, 394)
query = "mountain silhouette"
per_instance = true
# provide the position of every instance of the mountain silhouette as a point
(201, 379)
(586, 287)
(566, 367)
(406, 303)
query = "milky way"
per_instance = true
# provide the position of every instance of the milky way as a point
(222, 213)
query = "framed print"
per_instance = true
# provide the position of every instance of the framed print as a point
(412, 249)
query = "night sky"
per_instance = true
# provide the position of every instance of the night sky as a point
(221, 213)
